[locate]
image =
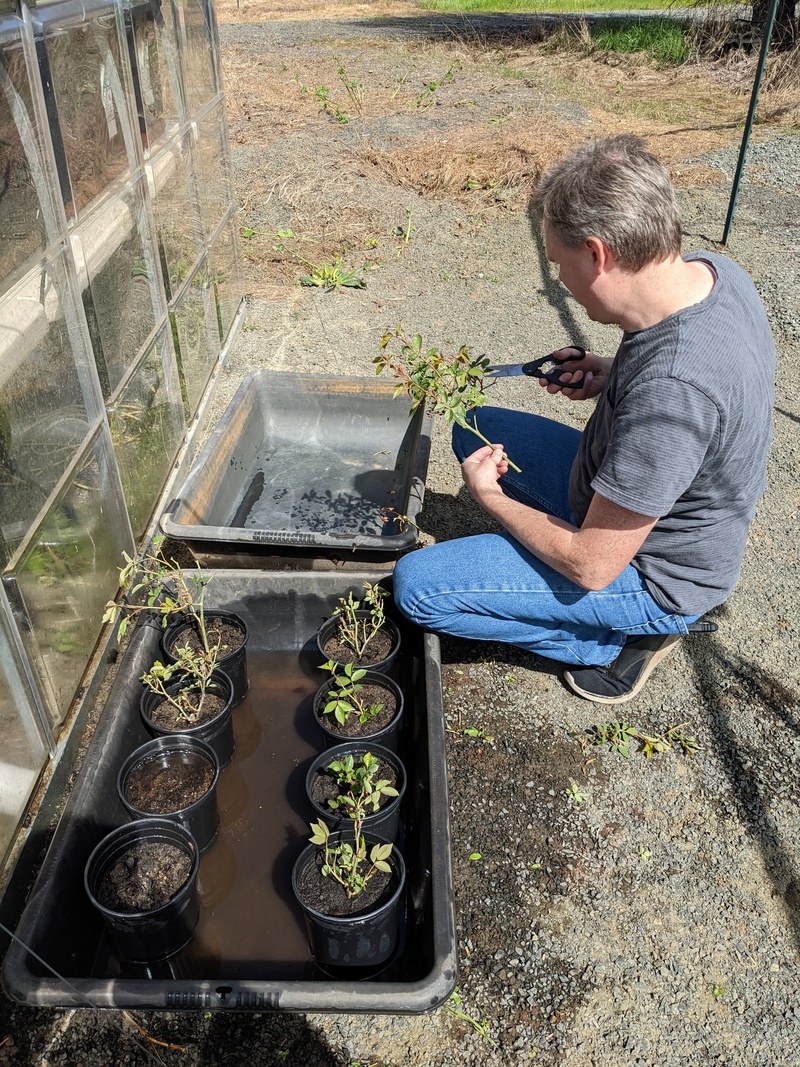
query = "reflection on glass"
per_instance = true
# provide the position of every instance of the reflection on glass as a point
(62, 580)
(157, 74)
(224, 268)
(212, 164)
(45, 397)
(22, 218)
(146, 427)
(199, 76)
(177, 221)
(90, 91)
(117, 267)
(23, 753)
(196, 335)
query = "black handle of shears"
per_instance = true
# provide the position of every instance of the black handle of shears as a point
(534, 367)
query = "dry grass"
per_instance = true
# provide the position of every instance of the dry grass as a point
(332, 199)
(286, 10)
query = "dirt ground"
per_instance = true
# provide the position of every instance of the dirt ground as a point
(620, 911)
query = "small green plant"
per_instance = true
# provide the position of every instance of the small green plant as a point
(475, 856)
(361, 620)
(718, 991)
(199, 666)
(645, 853)
(428, 95)
(451, 386)
(329, 275)
(344, 699)
(162, 585)
(326, 105)
(348, 862)
(575, 794)
(360, 791)
(618, 736)
(455, 1009)
(354, 89)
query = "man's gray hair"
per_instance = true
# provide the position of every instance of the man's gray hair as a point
(615, 190)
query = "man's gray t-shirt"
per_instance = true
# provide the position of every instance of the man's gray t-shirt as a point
(681, 431)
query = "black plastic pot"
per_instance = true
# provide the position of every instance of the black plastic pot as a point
(384, 822)
(332, 733)
(200, 818)
(365, 940)
(217, 732)
(147, 936)
(384, 666)
(234, 664)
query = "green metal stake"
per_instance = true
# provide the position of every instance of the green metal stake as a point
(762, 59)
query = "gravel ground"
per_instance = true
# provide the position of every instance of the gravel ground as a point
(623, 911)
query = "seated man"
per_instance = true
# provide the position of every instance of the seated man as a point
(616, 539)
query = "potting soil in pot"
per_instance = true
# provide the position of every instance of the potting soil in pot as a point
(146, 876)
(230, 637)
(167, 717)
(160, 789)
(377, 650)
(327, 896)
(325, 787)
(370, 696)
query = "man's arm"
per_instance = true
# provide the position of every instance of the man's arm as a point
(592, 556)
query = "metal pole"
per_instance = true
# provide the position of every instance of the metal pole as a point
(762, 59)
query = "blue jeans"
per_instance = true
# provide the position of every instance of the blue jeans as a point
(489, 588)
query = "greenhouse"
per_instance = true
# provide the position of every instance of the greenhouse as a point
(119, 297)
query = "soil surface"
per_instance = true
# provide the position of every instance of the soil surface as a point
(167, 717)
(611, 911)
(379, 648)
(326, 895)
(145, 877)
(161, 786)
(370, 695)
(325, 788)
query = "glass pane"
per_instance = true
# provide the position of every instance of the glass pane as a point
(197, 50)
(22, 219)
(146, 428)
(61, 581)
(178, 226)
(23, 753)
(90, 83)
(117, 267)
(196, 336)
(224, 269)
(157, 72)
(215, 188)
(46, 397)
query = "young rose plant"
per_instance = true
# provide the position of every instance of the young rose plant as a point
(452, 386)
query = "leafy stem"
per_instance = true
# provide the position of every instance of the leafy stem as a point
(451, 385)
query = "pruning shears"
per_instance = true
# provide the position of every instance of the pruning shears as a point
(548, 367)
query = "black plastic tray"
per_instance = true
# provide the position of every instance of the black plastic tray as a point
(305, 461)
(249, 951)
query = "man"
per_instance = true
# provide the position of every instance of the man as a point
(618, 539)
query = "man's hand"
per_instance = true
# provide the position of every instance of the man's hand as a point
(482, 470)
(590, 371)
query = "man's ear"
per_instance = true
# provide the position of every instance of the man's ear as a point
(601, 255)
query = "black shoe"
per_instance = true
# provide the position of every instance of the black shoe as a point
(623, 678)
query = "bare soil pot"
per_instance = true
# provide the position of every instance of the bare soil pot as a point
(379, 655)
(216, 729)
(142, 878)
(366, 934)
(382, 729)
(234, 633)
(174, 777)
(321, 785)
